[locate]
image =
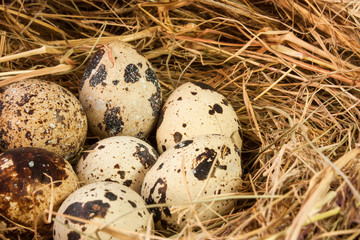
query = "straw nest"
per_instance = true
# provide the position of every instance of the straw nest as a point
(289, 68)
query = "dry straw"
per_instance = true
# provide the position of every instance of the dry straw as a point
(290, 69)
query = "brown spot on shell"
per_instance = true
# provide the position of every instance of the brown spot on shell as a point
(133, 204)
(127, 183)
(113, 121)
(73, 235)
(88, 210)
(131, 74)
(150, 200)
(25, 99)
(203, 164)
(183, 144)
(111, 196)
(1, 106)
(204, 86)
(177, 137)
(94, 61)
(99, 76)
(144, 155)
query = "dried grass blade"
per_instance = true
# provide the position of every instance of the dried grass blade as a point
(317, 192)
(149, 32)
(37, 51)
(61, 68)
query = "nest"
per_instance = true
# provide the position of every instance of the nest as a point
(289, 68)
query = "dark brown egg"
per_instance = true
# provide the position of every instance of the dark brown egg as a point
(30, 179)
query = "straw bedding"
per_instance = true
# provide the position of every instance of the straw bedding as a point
(289, 68)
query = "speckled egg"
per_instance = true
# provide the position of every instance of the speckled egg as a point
(121, 159)
(195, 109)
(27, 176)
(120, 92)
(103, 203)
(195, 170)
(35, 113)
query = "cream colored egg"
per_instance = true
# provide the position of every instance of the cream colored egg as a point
(105, 204)
(194, 171)
(121, 159)
(120, 92)
(195, 109)
(31, 180)
(35, 113)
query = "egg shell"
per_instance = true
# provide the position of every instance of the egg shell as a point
(26, 177)
(102, 203)
(120, 92)
(194, 109)
(121, 159)
(35, 113)
(195, 169)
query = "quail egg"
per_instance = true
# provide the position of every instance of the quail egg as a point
(100, 204)
(120, 92)
(191, 174)
(35, 113)
(122, 159)
(31, 180)
(194, 109)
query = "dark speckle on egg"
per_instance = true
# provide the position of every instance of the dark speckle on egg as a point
(127, 183)
(94, 61)
(225, 102)
(122, 174)
(131, 74)
(183, 144)
(25, 99)
(155, 102)
(203, 163)
(133, 204)
(1, 106)
(162, 188)
(204, 86)
(113, 121)
(88, 210)
(151, 76)
(177, 137)
(99, 76)
(111, 196)
(218, 108)
(143, 154)
(73, 235)
(3, 144)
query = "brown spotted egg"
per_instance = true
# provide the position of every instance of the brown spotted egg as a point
(35, 113)
(105, 204)
(120, 92)
(121, 159)
(194, 109)
(194, 171)
(31, 180)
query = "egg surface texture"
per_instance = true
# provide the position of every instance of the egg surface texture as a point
(195, 109)
(35, 113)
(102, 203)
(120, 92)
(26, 178)
(197, 169)
(121, 159)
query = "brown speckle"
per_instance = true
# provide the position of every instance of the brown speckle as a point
(177, 137)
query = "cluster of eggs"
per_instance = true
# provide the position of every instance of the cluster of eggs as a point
(43, 125)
